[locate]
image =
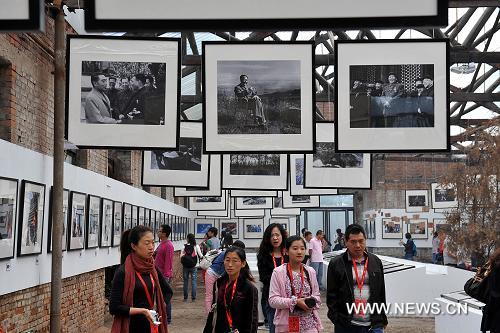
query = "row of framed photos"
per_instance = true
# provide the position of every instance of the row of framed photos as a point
(442, 197)
(258, 97)
(89, 221)
(396, 227)
(253, 228)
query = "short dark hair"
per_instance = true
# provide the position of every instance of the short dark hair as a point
(242, 76)
(407, 235)
(307, 233)
(339, 231)
(292, 239)
(319, 232)
(354, 229)
(94, 78)
(213, 230)
(303, 230)
(140, 77)
(166, 229)
(239, 244)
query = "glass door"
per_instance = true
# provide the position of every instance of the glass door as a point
(337, 221)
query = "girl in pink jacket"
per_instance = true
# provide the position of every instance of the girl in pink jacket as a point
(294, 292)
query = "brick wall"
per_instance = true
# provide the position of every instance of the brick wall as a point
(94, 160)
(82, 306)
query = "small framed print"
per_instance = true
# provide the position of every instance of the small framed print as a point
(142, 216)
(230, 226)
(392, 229)
(299, 201)
(441, 225)
(208, 203)
(328, 169)
(175, 232)
(443, 196)
(77, 225)
(135, 215)
(8, 209)
(202, 226)
(278, 209)
(417, 228)
(93, 221)
(64, 221)
(243, 193)
(214, 182)
(105, 238)
(253, 228)
(117, 223)
(392, 95)
(185, 166)
(31, 217)
(417, 201)
(254, 171)
(284, 222)
(127, 216)
(22, 15)
(123, 92)
(249, 212)
(254, 203)
(297, 165)
(147, 221)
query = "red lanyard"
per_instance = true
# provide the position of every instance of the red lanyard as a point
(274, 260)
(301, 280)
(358, 282)
(148, 296)
(226, 306)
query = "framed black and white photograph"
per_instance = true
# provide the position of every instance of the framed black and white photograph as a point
(185, 166)
(77, 224)
(127, 216)
(299, 201)
(224, 213)
(283, 221)
(278, 209)
(254, 171)
(373, 230)
(8, 214)
(64, 221)
(244, 193)
(214, 181)
(441, 225)
(417, 201)
(258, 96)
(297, 165)
(22, 15)
(253, 228)
(392, 95)
(93, 221)
(417, 228)
(117, 223)
(105, 237)
(249, 212)
(392, 228)
(135, 216)
(225, 15)
(123, 92)
(141, 216)
(201, 226)
(230, 226)
(208, 203)
(31, 218)
(254, 202)
(443, 196)
(328, 169)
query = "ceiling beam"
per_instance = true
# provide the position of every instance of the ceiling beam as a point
(472, 3)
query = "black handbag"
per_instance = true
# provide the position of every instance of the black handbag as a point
(478, 287)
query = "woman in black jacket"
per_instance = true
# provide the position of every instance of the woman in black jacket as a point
(491, 311)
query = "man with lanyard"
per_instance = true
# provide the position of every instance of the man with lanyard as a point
(356, 278)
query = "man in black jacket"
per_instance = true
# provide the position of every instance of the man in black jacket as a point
(355, 279)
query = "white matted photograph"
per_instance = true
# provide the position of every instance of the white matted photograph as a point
(244, 193)
(278, 209)
(31, 218)
(417, 201)
(253, 228)
(185, 166)
(392, 228)
(93, 221)
(258, 92)
(127, 216)
(122, 92)
(22, 15)
(328, 169)
(8, 213)
(135, 215)
(443, 196)
(201, 226)
(417, 228)
(208, 203)
(77, 225)
(64, 221)
(249, 212)
(254, 202)
(254, 171)
(297, 163)
(230, 226)
(106, 223)
(214, 181)
(117, 223)
(299, 201)
(392, 95)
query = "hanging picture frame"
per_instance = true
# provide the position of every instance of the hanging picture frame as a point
(208, 203)
(127, 216)
(141, 220)
(202, 226)
(31, 218)
(278, 209)
(230, 226)
(418, 228)
(249, 213)
(254, 202)
(253, 228)
(244, 193)
(392, 228)
(299, 201)
(8, 221)
(405, 108)
(135, 216)
(443, 196)
(106, 225)
(329, 169)
(417, 201)
(185, 166)
(77, 224)
(93, 221)
(117, 223)
(218, 213)
(297, 165)
(22, 15)
(214, 182)
(64, 221)
(98, 115)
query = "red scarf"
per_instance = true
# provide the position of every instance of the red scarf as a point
(133, 264)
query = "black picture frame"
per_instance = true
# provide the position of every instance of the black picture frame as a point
(34, 22)
(92, 243)
(195, 204)
(126, 216)
(8, 250)
(102, 225)
(239, 203)
(135, 215)
(117, 222)
(37, 249)
(413, 200)
(141, 216)
(51, 217)
(79, 240)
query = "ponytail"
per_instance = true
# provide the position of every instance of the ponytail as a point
(131, 236)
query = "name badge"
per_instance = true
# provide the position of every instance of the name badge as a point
(360, 306)
(293, 324)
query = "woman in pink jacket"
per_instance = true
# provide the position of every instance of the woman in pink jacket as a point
(294, 292)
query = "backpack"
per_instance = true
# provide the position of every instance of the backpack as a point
(414, 249)
(189, 259)
(208, 258)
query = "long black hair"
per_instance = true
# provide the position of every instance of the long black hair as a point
(245, 270)
(266, 247)
(131, 236)
(191, 239)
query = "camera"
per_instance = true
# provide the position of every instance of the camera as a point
(154, 314)
(310, 302)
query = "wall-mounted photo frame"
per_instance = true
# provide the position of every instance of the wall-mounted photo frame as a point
(127, 15)
(201, 226)
(254, 171)
(230, 226)
(392, 228)
(31, 218)
(148, 218)
(22, 15)
(418, 228)
(214, 182)
(141, 220)
(417, 201)
(135, 216)
(100, 111)
(117, 223)
(244, 193)
(51, 220)
(253, 203)
(328, 169)
(392, 95)
(93, 221)
(249, 213)
(253, 228)
(106, 232)
(258, 92)
(174, 233)
(443, 196)
(184, 166)
(208, 203)
(8, 214)
(297, 165)
(441, 225)
(299, 201)
(77, 224)
(278, 209)
(127, 216)
(284, 222)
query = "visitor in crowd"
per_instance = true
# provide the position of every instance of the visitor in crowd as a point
(164, 260)
(449, 256)
(326, 245)
(307, 238)
(356, 277)
(190, 255)
(491, 311)
(138, 286)
(316, 254)
(227, 240)
(214, 272)
(340, 241)
(435, 248)
(410, 247)
(303, 232)
(271, 255)
(204, 250)
(294, 292)
(235, 297)
(213, 243)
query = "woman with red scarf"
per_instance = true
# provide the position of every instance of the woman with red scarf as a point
(138, 287)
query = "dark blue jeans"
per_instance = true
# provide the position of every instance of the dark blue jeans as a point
(186, 272)
(169, 304)
(269, 313)
(357, 329)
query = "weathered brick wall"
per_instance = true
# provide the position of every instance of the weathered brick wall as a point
(82, 306)
(94, 160)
